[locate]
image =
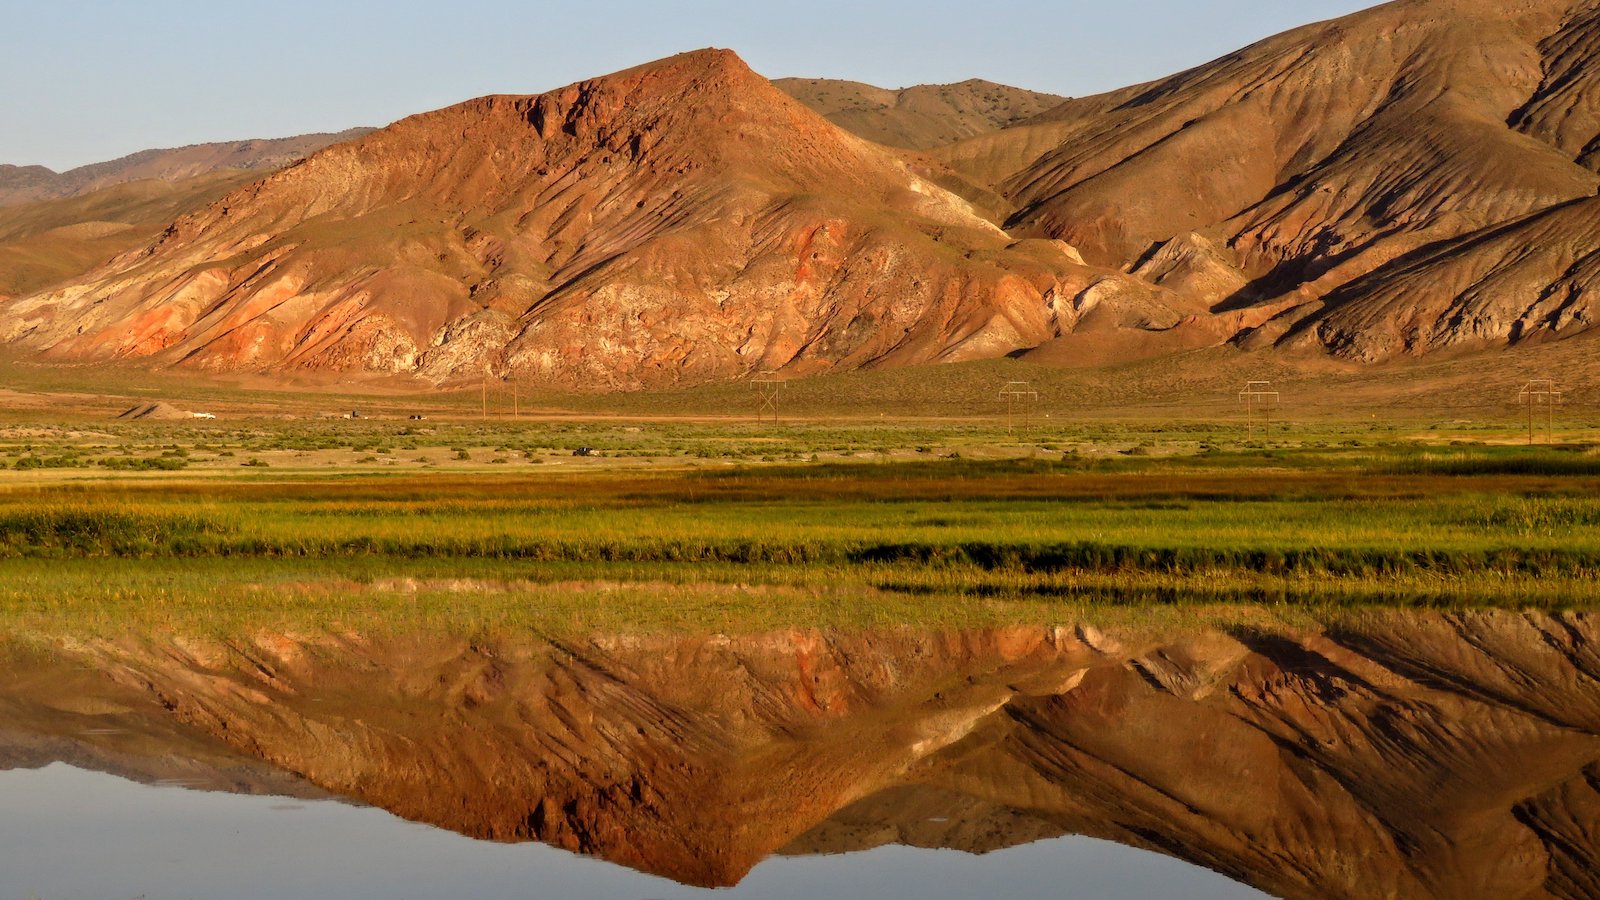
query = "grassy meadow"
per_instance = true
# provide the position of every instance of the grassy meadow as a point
(737, 525)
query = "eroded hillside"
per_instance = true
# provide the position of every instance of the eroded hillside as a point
(1416, 178)
(681, 221)
(1430, 143)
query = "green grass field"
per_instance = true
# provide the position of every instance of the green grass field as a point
(739, 526)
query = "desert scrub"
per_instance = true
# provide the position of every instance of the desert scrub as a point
(145, 463)
(62, 461)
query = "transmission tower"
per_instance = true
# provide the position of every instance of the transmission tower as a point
(769, 390)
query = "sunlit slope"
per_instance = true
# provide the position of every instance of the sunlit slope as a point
(1414, 136)
(29, 184)
(51, 241)
(681, 221)
(920, 117)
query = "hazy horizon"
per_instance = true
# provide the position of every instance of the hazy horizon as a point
(92, 83)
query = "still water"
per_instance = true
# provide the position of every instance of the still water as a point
(1377, 754)
(66, 832)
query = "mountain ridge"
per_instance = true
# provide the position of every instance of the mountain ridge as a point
(632, 230)
(1410, 179)
(24, 184)
(1321, 157)
(920, 117)
(1452, 753)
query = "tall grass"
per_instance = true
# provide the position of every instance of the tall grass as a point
(862, 543)
(77, 530)
(1003, 518)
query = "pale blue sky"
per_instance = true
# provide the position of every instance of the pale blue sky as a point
(87, 80)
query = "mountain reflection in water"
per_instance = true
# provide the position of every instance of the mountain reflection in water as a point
(1405, 754)
(86, 834)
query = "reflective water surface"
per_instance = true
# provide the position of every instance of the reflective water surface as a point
(1395, 754)
(92, 835)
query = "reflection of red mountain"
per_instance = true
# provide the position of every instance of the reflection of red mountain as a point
(1406, 755)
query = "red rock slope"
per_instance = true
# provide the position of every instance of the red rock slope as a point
(680, 221)
(1398, 162)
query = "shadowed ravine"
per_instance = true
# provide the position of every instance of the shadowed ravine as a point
(1395, 754)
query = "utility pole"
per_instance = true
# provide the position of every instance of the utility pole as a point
(1018, 394)
(485, 385)
(1258, 395)
(1536, 393)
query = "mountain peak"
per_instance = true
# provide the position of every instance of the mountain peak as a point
(706, 59)
(8, 170)
(683, 220)
(705, 71)
(920, 117)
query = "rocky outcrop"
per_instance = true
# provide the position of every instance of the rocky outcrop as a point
(1192, 266)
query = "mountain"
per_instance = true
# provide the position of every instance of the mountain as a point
(24, 184)
(681, 221)
(49, 241)
(20, 184)
(54, 227)
(921, 117)
(1421, 177)
(1410, 178)
(1390, 754)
